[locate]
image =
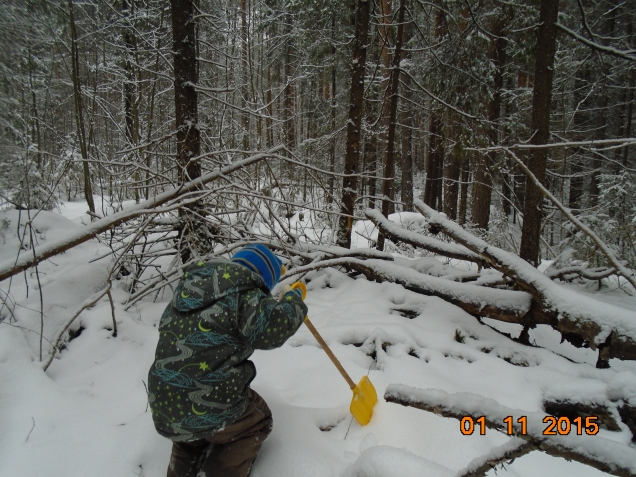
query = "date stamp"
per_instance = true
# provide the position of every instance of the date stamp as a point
(561, 426)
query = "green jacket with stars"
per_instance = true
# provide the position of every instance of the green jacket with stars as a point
(220, 313)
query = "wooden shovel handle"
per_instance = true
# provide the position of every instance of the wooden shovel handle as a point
(333, 358)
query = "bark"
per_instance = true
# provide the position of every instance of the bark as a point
(354, 124)
(463, 190)
(289, 127)
(451, 181)
(185, 95)
(407, 163)
(541, 107)
(186, 114)
(568, 313)
(245, 116)
(434, 162)
(388, 186)
(407, 137)
(452, 405)
(332, 148)
(371, 153)
(386, 38)
(482, 189)
(79, 112)
(131, 114)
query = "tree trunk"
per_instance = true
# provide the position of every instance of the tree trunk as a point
(288, 93)
(385, 33)
(451, 181)
(79, 112)
(245, 116)
(186, 112)
(371, 153)
(434, 162)
(389, 162)
(482, 189)
(354, 124)
(130, 91)
(407, 160)
(541, 99)
(332, 148)
(601, 124)
(463, 190)
(407, 137)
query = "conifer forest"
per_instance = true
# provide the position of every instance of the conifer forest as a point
(475, 155)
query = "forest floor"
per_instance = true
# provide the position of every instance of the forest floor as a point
(88, 414)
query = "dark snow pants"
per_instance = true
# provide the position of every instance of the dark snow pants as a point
(228, 453)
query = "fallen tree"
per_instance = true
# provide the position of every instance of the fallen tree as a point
(609, 328)
(504, 305)
(398, 234)
(8, 268)
(606, 455)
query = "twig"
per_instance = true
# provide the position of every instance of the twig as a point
(87, 304)
(112, 310)
(27, 439)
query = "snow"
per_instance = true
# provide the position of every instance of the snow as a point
(568, 303)
(596, 446)
(87, 415)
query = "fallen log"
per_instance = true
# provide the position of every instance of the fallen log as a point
(502, 305)
(603, 454)
(610, 328)
(11, 267)
(504, 453)
(398, 234)
(569, 273)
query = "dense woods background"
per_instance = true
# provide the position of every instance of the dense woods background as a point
(486, 130)
(126, 99)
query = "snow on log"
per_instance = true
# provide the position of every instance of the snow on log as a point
(503, 305)
(398, 234)
(317, 251)
(603, 454)
(569, 273)
(603, 325)
(28, 259)
(509, 450)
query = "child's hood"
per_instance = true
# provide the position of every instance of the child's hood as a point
(206, 282)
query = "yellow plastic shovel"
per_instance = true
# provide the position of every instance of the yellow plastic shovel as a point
(364, 395)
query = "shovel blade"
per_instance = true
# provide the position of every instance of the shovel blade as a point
(363, 401)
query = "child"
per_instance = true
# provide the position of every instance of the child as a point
(199, 393)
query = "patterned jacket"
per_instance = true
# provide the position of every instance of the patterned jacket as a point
(220, 313)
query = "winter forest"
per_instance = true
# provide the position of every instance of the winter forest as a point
(453, 180)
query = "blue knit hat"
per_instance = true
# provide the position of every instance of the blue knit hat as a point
(261, 260)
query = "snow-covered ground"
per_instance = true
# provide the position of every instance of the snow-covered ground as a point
(87, 415)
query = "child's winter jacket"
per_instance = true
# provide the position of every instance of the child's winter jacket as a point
(221, 312)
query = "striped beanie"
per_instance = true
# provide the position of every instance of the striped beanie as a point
(261, 260)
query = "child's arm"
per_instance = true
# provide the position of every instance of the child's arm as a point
(267, 323)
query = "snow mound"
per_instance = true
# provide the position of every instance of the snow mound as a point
(46, 226)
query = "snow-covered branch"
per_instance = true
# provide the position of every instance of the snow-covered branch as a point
(11, 267)
(621, 269)
(608, 327)
(596, 143)
(606, 455)
(503, 305)
(398, 234)
(625, 55)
